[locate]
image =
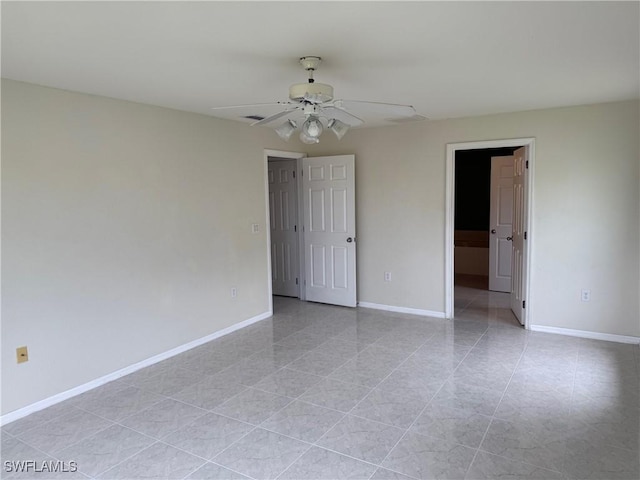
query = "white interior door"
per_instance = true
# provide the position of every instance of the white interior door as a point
(517, 262)
(501, 223)
(283, 214)
(330, 229)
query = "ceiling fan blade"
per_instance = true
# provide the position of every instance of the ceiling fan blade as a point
(339, 113)
(274, 117)
(252, 105)
(387, 109)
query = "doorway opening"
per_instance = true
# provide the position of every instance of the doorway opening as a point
(488, 226)
(480, 203)
(284, 220)
(283, 216)
(312, 251)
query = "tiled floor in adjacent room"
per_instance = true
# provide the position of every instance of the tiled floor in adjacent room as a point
(322, 392)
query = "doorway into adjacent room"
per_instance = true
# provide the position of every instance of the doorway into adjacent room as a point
(487, 225)
(483, 211)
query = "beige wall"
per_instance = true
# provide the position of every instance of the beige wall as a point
(471, 261)
(471, 252)
(586, 208)
(125, 225)
(124, 228)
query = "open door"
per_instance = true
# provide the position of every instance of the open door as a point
(501, 223)
(517, 259)
(330, 229)
(283, 215)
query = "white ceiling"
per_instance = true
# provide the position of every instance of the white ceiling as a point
(448, 59)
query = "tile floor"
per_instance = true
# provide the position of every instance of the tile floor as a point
(322, 392)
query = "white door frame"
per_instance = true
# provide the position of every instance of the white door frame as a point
(298, 156)
(452, 148)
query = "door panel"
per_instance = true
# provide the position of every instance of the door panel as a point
(517, 261)
(283, 212)
(504, 260)
(339, 211)
(316, 213)
(340, 266)
(318, 271)
(501, 224)
(330, 229)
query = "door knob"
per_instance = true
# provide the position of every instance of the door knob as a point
(349, 240)
(493, 231)
(509, 238)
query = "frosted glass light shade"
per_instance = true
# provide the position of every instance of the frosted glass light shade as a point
(285, 130)
(312, 127)
(304, 138)
(338, 127)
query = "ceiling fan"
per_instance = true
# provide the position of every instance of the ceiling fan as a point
(312, 107)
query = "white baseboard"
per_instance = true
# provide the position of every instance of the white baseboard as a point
(412, 311)
(609, 337)
(47, 402)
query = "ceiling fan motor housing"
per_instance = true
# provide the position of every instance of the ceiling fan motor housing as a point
(311, 92)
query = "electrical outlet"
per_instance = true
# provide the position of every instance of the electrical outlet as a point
(234, 292)
(22, 354)
(255, 228)
(387, 276)
(585, 295)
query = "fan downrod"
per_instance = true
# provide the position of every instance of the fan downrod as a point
(310, 63)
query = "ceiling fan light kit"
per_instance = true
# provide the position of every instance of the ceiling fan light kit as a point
(313, 104)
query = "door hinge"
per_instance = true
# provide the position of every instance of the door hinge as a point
(296, 280)
(524, 304)
(526, 164)
(294, 174)
(295, 229)
(525, 235)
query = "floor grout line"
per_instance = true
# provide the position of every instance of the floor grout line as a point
(519, 461)
(494, 411)
(429, 403)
